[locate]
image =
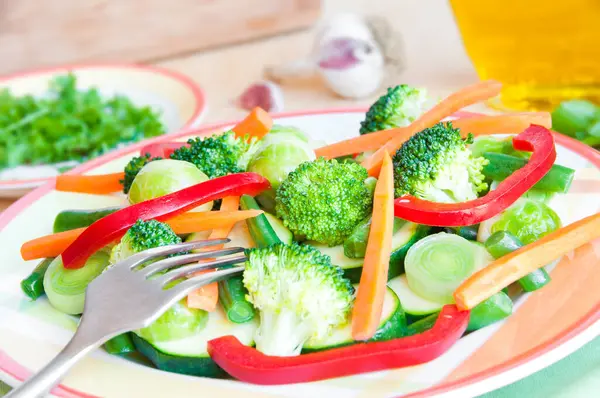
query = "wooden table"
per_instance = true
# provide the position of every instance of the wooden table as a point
(435, 59)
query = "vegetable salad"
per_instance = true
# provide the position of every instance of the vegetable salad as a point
(405, 237)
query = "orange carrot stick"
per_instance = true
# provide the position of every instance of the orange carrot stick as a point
(94, 184)
(513, 123)
(510, 268)
(451, 104)
(49, 245)
(200, 221)
(53, 245)
(371, 290)
(256, 124)
(206, 297)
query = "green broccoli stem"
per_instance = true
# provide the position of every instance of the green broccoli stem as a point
(120, 345)
(280, 333)
(500, 166)
(33, 285)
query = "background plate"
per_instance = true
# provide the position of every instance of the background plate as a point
(180, 101)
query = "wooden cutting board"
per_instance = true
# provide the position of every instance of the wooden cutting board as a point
(36, 33)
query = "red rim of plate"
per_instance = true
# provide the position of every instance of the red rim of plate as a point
(17, 371)
(195, 89)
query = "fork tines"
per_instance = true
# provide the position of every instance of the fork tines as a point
(184, 265)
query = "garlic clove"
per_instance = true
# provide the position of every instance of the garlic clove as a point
(264, 94)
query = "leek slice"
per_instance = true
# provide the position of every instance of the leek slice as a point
(436, 265)
(65, 288)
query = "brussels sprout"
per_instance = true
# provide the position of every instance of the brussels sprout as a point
(528, 220)
(278, 155)
(176, 323)
(279, 129)
(485, 144)
(165, 176)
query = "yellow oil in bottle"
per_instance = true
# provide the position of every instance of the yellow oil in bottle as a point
(543, 51)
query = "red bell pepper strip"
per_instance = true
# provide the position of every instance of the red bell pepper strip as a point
(114, 226)
(161, 149)
(251, 366)
(536, 139)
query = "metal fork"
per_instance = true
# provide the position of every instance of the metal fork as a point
(127, 297)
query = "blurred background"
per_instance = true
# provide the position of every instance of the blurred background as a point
(225, 45)
(218, 59)
(289, 55)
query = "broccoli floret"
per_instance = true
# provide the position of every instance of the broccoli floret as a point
(436, 164)
(400, 106)
(133, 168)
(218, 155)
(323, 200)
(143, 235)
(299, 293)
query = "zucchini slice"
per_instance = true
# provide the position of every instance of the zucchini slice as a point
(392, 325)
(352, 266)
(189, 355)
(412, 303)
(284, 234)
(402, 240)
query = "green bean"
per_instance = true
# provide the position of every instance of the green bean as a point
(495, 308)
(33, 285)
(260, 229)
(422, 325)
(468, 232)
(502, 243)
(67, 220)
(120, 345)
(232, 296)
(500, 166)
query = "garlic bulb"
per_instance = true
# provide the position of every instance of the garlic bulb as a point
(354, 55)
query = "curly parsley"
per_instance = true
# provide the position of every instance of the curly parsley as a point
(69, 124)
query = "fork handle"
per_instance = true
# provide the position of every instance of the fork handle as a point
(43, 381)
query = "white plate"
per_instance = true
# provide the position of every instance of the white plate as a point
(546, 326)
